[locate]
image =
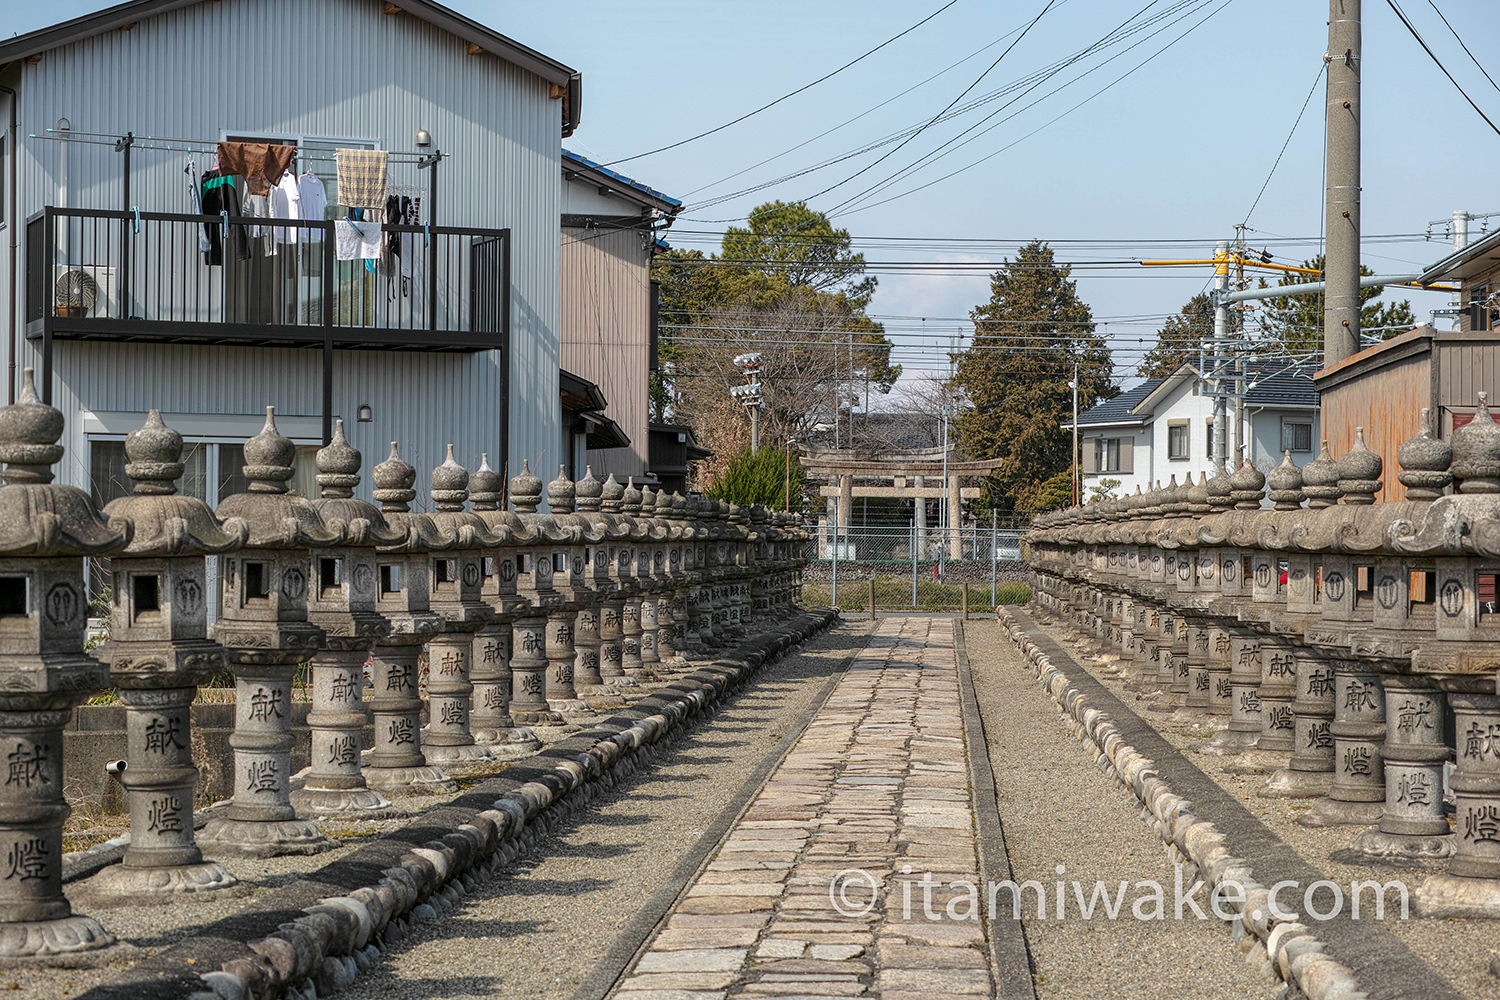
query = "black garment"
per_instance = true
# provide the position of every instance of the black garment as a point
(219, 196)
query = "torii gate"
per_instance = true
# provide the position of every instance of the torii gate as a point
(908, 472)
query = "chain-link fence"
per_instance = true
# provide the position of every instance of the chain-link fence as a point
(912, 568)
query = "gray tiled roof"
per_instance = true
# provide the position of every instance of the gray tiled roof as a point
(1117, 410)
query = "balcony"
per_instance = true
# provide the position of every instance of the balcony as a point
(97, 274)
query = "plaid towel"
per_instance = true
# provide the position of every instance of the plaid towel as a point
(362, 179)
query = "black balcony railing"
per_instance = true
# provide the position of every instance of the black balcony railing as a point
(97, 274)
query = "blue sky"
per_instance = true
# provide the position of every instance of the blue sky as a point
(1178, 150)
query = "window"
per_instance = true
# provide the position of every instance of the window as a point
(1108, 455)
(1208, 445)
(1481, 315)
(1296, 435)
(1177, 440)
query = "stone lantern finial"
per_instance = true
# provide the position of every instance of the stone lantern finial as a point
(1424, 461)
(269, 458)
(155, 453)
(29, 432)
(612, 493)
(450, 485)
(338, 465)
(590, 491)
(1476, 452)
(648, 502)
(630, 501)
(393, 480)
(1197, 496)
(485, 488)
(1286, 484)
(1320, 480)
(1359, 471)
(525, 490)
(561, 493)
(1246, 485)
(1219, 489)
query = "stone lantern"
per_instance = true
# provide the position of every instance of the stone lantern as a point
(528, 662)
(45, 531)
(158, 655)
(343, 597)
(650, 567)
(489, 718)
(264, 628)
(588, 637)
(630, 552)
(618, 565)
(457, 595)
(396, 763)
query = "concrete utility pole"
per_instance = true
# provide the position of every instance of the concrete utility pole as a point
(1074, 386)
(1341, 199)
(1221, 338)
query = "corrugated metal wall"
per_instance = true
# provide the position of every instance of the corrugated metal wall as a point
(315, 68)
(606, 331)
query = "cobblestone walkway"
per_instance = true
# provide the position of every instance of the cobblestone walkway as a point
(877, 786)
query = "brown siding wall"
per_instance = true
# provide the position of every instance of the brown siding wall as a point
(1465, 368)
(606, 316)
(1387, 403)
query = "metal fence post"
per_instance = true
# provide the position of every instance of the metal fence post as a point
(871, 582)
(833, 597)
(914, 563)
(994, 551)
(966, 600)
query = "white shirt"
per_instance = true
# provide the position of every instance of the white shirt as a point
(314, 201)
(286, 203)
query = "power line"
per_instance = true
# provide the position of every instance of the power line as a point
(1417, 35)
(1460, 40)
(1284, 145)
(720, 128)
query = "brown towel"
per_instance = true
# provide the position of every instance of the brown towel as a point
(260, 163)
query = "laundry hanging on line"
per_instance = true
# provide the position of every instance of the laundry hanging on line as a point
(260, 163)
(362, 178)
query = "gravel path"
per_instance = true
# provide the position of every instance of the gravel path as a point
(1060, 810)
(537, 932)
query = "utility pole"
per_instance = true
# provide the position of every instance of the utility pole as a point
(1074, 386)
(750, 394)
(1221, 342)
(1460, 240)
(1239, 356)
(1341, 199)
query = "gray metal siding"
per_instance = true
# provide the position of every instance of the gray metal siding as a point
(328, 68)
(606, 331)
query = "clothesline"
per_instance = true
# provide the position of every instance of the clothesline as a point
(321, 154)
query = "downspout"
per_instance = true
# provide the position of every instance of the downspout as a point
(14, 225)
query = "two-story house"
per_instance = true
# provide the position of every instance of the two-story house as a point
(611, 228)
(338, 207)
(1165, 427)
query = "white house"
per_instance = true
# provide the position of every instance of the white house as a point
(1164, 427)
(449, 335)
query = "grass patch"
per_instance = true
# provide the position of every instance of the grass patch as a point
(894, 593)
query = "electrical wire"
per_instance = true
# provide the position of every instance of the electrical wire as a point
(1460, 41)
(720, 128)
(1417, 35)
(1311, 90)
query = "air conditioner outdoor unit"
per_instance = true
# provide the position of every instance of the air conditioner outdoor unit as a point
(84, 291)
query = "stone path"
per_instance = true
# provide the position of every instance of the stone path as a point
(875, 791)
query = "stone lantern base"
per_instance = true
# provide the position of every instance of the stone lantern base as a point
(121, 884)
(1376, 843)
(422, 779)
(274, 838)
(1340, 812)
(349, 803)
(1448, 896)
(66, 941)
(1288, 783)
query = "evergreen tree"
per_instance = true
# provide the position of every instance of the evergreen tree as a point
(1016, 374)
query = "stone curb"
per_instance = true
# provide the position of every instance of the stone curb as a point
(1284, 952)
(310, 939)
